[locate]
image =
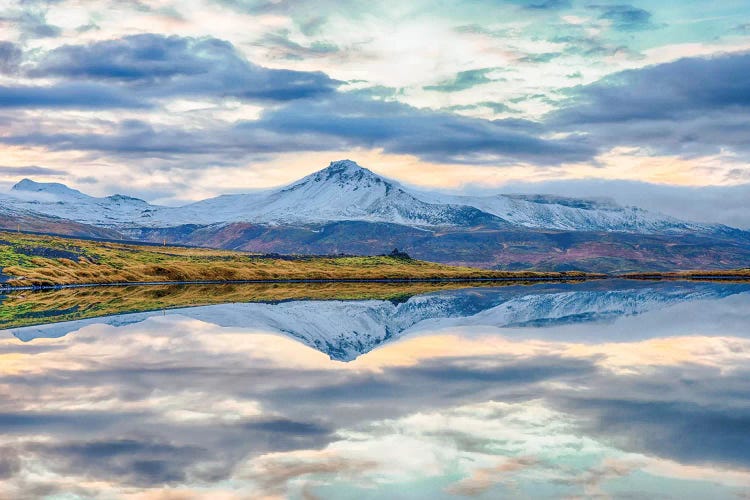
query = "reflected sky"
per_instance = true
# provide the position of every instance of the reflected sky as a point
(607, 389)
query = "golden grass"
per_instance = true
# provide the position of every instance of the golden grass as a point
(32, 260)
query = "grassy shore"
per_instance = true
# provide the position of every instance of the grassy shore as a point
(35, 260)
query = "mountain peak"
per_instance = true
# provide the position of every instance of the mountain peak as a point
(52, 188)
(344, 166)
(341, 173)
(347, 169)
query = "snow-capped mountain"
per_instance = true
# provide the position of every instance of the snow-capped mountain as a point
(344, 191)
(570, 214)
(58, 200)
(346, 329)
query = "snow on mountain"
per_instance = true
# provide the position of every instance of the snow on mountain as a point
(346, 329)
(51, 191)
(344, 191)
(61, 201)
(570, 214)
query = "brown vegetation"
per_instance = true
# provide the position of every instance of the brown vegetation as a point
(32, 260)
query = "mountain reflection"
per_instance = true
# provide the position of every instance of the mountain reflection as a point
(346, 329)
(607, 389)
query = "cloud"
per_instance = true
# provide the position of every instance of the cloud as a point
(303, 9)
(669, 428)
(690, 106)
(159, 66)
(496, 107)
(281, 45)
(398, 128)
(540, 58)
(10, 57)
(523, 372)
(464, 80)
(484, 479)
(138, 462)
(18, 422)
(68, 95)
(10, 463)
(274, 473)
(543, 4)
(28, 170)
(33, 24)
(313, 26)
(625, 17)
(339, 121)
(591, 46)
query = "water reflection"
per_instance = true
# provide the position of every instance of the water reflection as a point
(611, 389)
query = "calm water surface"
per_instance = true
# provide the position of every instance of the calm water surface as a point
(605, 389)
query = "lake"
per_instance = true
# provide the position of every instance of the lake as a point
(613, 389)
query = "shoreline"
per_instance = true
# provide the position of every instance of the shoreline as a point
(301, 281)
(686, 277)
(503, 279)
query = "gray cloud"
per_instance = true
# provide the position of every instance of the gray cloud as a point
(33, 24)
(340, 121)
(10, 57)
(137, 462)
(156, 66)
(28, 170)
(688, 107)
(432, 135)
(69, 95)
(10, 463)
(664, 428)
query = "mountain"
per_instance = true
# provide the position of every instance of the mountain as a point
(344, 191)
(345, 208)
(29, 220)
(345, 330)
(570, 214)
(57, 200)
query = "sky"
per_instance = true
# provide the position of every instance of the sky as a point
(645, 102)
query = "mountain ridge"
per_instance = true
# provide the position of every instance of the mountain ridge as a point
(346, 191)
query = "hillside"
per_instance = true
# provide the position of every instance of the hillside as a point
(345, 208)
(27, 260)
